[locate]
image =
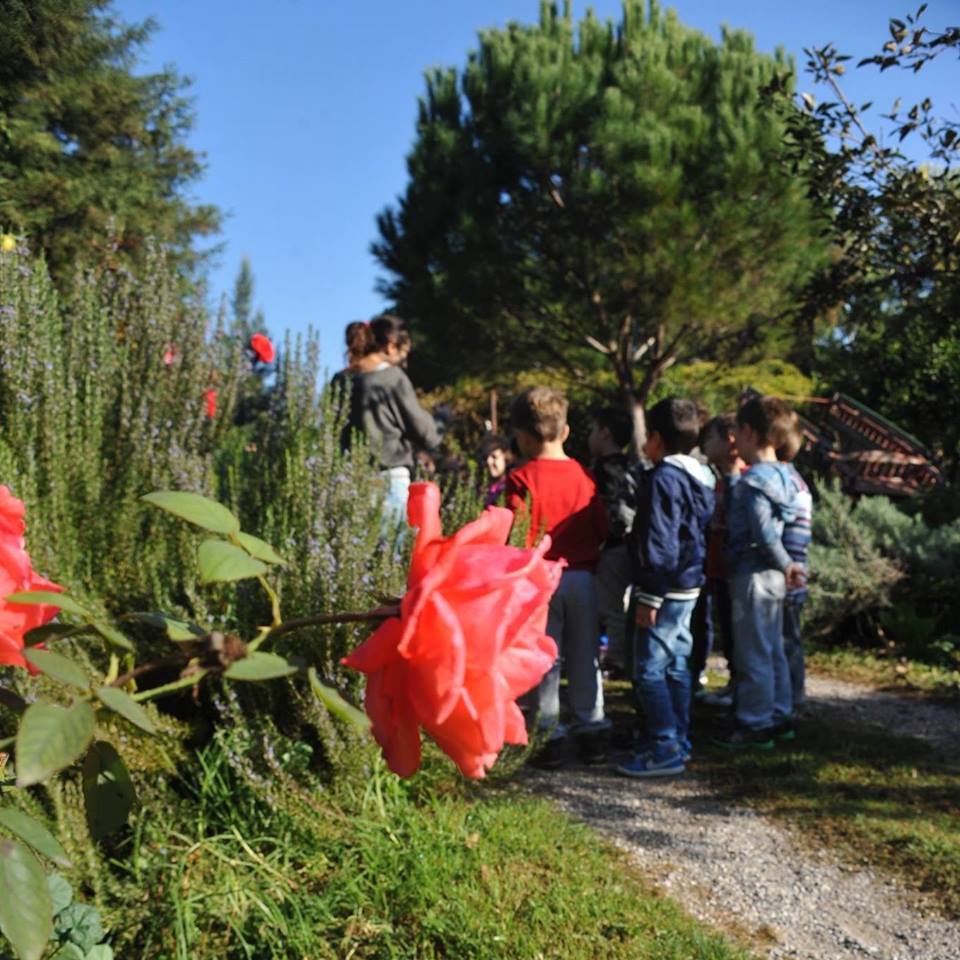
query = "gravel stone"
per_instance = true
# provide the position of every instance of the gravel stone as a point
(744, 873)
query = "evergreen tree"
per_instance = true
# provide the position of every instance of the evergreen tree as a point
(241, 303)
(93, 158)
(609, 190)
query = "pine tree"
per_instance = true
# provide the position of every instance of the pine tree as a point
(93, 158)
(241, 303)
(606, 191)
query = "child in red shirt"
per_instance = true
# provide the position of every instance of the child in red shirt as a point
(563, 502)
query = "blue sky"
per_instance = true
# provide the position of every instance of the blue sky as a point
(305, 110)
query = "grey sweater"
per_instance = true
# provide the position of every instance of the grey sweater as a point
(384, 406)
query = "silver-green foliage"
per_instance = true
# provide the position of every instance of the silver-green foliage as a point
(92, 416)
(870, 554)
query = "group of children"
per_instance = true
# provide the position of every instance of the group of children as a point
(710, 527)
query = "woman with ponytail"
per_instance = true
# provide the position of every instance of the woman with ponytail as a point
(384, 406)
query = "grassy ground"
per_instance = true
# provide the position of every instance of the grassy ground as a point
(860, 666)
(419, 870)
(892, 803)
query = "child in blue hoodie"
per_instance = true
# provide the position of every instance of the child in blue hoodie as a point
(668, 548)
(761, 571)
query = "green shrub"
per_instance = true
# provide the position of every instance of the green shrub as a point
(91, 417)
(872, 558)
(849, 574)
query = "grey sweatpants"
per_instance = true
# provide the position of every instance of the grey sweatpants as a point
(573, 622)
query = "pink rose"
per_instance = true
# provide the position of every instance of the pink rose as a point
(469, 640)
(17, 575)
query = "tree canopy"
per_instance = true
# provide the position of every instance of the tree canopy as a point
(89, 148)
(598, 190)
(891, 287)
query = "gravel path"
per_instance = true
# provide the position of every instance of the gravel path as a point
(744, 873)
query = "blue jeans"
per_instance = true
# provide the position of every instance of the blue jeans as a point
(793, 645)
(661, 675)
(395, 504)
(763, 676)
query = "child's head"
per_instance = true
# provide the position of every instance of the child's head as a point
(763, 425)
(673, 426)
(611, 432)
(539, 417)
(494, 455)
(788, 450)
(383, 334)
(718, 439)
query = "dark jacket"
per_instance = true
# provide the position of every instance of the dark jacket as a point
(384, 407)
(668, 543)
(618, 490)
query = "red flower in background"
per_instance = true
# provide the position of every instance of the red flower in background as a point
(16, 576)
(169, 355)
(211, 398)
(260, 344)
(469, 640)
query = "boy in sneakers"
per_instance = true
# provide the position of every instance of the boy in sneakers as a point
(797, 535)
(668, 546)
(563, 502)
(761, 571)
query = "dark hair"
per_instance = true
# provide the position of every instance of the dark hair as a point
(541, 412)
(788, 450)
(491, 442)
(770, 418)
(677, 421)
(723, 423)
(617, 421)
(366, 338)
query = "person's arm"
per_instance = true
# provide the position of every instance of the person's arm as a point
(764, 533)
(419, 425)
(660, 546)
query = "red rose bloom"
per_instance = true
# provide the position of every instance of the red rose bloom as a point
(260, 344)
(17, 575)
(469, 640)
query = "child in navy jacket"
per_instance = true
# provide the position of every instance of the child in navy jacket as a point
(669, 548)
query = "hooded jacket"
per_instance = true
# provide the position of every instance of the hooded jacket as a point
(668, 542)
(762, 503)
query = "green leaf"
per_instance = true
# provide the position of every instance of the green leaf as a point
(26, 911)
(101, 951)
(51, 738)
(112, 635)
(61, 893)
(192, 507)
(221, 562)
(335, 703)
(57, 666)
(80, 925)
(51, 631)
(259, 666)
(176, 629)
(35, 834)
(69, 951)
(260, 549)
(107, 790)
(113, 698)
(34, 598)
